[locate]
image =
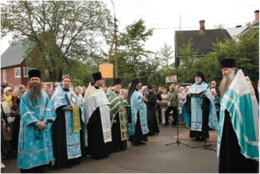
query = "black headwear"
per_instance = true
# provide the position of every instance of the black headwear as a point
(199, 74)
(132, 88)
(117, 81)
(228, 63)
(149, 87)
(97, 76)
(34, 73)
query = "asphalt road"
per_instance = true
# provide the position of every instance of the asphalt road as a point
(154, 157)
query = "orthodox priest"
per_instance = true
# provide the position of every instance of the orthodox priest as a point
(151, 110)
(138, 127)
(200, 112)
(238, 138)
(97, 119)
(119, 113)
(67, 135)
(35, 142)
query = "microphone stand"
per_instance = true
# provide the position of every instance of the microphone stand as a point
(178, 142)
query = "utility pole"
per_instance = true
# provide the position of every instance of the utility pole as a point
(115, 37)
(116, 64)
(180, 20)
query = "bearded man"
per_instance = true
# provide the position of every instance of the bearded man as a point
(238, 123)
(35, 142)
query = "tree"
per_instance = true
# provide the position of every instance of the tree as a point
(245, 49)
(166, 55)
(131, 53)
(219, 26)
(57, 32)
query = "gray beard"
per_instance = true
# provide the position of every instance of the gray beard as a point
(225, 82)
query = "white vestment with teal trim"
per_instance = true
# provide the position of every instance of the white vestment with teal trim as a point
(34, 146)
(237, 100)
(138, 105)
(72, 139)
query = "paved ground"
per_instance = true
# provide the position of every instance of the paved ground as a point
(154, 157)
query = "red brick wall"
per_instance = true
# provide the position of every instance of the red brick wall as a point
(10, 76)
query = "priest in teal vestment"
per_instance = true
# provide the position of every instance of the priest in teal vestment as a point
(67, 129)
(138, 127)
(35, 141)
(238, 136)
(119, 114)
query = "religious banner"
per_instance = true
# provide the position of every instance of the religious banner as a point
(74, 102)
(106, 70)
(171, 79)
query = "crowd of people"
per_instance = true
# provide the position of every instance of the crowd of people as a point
(41, 123)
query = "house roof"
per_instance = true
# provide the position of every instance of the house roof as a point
(235, 31)
(202, 43)
(13, 56)
(255, 25)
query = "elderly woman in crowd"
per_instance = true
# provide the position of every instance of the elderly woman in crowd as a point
(163, 103)
(180, 100)
(4, 127)
(216, 100)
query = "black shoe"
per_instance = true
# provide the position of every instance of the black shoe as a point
(134, 144)
(197, 139)
(174, 125)
(141, 143)
(165, 125)
(202, 139)
(75, 162)
(67, 166)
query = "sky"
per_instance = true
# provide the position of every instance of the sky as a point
(168, 16)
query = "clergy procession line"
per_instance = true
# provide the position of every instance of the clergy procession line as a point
(66, 126)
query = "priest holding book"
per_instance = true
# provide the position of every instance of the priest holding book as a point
(67, 129)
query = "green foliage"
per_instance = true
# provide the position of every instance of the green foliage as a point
(244, 48)
(166, 55)
(57, 32)
(132, 57)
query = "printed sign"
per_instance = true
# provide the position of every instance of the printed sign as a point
(171, 79)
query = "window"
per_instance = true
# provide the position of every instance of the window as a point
(17, 72)
(25, 71)
(4, 75)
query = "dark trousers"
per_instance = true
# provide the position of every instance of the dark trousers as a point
(168, 110)
(175, 115)
(159, 114)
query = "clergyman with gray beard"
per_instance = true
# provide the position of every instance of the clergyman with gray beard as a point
(238, 125)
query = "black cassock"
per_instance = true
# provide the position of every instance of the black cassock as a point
(231, 159)
(151, 114)
(59, 139)
(97, 148)
(118, 145)
(204, 133)
(138, 135)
